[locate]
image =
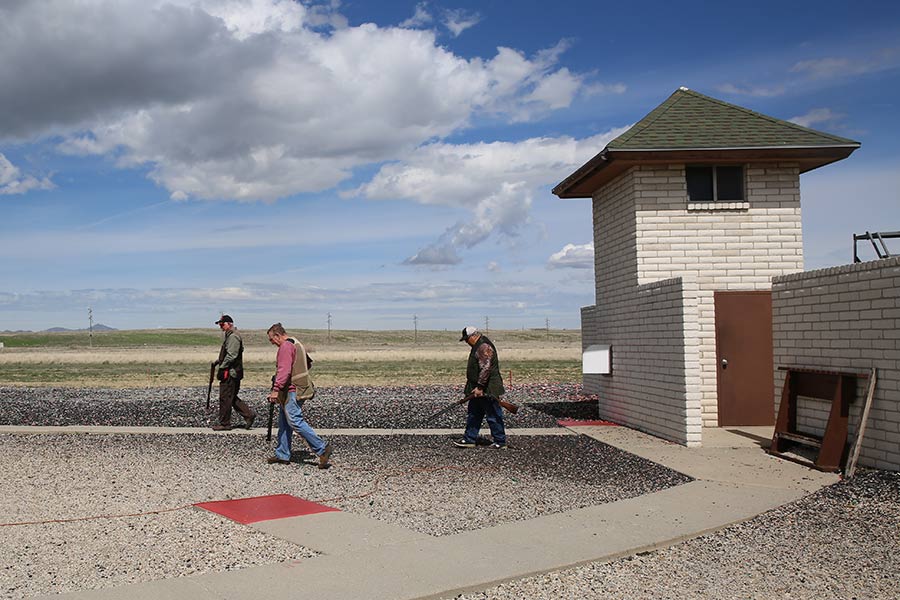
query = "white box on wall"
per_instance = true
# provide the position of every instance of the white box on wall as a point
(597, 359)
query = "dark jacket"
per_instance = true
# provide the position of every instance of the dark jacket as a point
(483, 369)
(231, 356)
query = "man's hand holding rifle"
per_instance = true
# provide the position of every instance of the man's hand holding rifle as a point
(478, 393)
(509, 406)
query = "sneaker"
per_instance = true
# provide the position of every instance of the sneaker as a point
(274, 460)
(249, 421)
(221, 427)
(323, 458)
(464, 443)
(497, 446)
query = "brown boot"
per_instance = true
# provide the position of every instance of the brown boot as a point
(323, 458)
(221, 427)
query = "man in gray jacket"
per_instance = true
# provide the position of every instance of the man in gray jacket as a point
(230, 372)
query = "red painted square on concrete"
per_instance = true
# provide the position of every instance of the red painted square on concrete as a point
(264, 508)
(577, 423)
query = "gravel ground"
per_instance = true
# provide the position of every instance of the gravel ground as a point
(419, 482)
(336, 407)
(839, 543)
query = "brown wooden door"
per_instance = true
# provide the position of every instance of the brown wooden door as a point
(745, 378)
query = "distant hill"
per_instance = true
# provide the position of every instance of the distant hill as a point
(97, 327)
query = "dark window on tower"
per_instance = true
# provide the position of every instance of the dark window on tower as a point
(715, 184)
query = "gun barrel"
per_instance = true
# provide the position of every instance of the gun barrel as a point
(212, 375)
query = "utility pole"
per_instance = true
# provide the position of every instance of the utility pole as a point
(91, 325)
(487, 322)
(547, 322)
(329, 327)
(416, 329)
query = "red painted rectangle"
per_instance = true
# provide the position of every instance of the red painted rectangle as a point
(264, 508)
(577, 423)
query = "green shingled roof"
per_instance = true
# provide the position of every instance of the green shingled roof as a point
(689, 120)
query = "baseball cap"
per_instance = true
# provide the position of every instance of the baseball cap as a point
(468, 331)
(224, 319)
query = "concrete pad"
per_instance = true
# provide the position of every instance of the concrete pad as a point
(736, 480)
(738, 437)
(457, 432)
(445, 566)
(182, 588)
(729, 457)
(338, 532)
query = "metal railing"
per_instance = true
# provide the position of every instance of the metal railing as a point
(876, 238)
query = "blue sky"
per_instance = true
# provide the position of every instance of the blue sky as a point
(163, 161)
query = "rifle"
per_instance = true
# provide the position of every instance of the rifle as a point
(271, 413)
(509, 406)
(212, 375)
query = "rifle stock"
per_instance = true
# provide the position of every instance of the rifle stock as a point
(513, 408)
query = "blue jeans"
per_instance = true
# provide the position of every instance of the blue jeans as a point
(291, 419)
(482, 407)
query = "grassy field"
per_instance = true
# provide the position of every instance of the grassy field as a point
(158, 358)
(112, 339)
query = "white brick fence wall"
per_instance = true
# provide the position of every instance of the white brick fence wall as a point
(845, 318)
(654, 385)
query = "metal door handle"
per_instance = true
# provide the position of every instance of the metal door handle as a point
(724, 363)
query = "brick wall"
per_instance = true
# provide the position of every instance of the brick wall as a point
(658, 261)
(651, 387)
(845, 318)
(739, 246)
(654, 385)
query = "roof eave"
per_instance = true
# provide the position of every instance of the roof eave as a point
(585, 180)
(595, 164)
(733, 148)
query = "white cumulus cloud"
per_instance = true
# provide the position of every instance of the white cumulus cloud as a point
(13, 181)
(496, 182)
(573, 256)
(252, 99)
